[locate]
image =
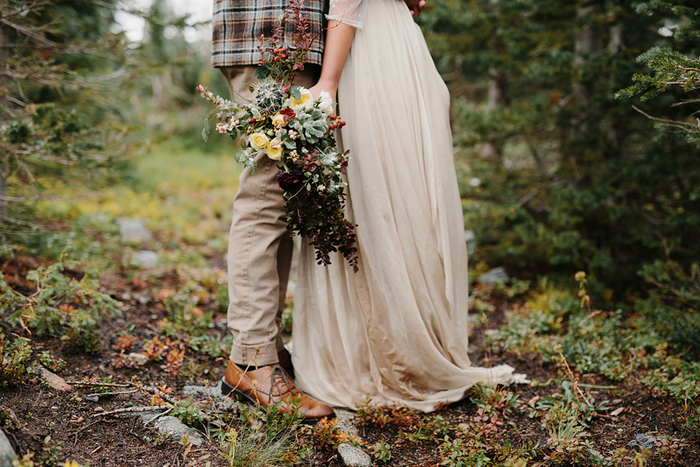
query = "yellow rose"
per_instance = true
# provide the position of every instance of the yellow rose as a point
(278, 120)
(274, 150)
(258, 140)
(306, 100)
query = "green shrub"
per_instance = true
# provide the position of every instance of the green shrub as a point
(60, 305)
(15, 361)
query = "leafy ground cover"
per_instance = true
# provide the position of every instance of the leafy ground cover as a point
(601, 378)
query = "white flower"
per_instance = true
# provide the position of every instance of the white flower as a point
(326, 103)
(306, 100)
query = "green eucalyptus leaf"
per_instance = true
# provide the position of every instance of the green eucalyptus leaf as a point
(262, 72)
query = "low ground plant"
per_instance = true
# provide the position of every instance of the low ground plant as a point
(263, 437)
(16, 365)
(60, 305)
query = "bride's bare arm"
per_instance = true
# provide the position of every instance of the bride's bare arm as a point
(338, 41)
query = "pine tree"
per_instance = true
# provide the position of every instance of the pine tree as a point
(572, 179)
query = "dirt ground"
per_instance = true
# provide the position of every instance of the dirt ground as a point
(36, 411)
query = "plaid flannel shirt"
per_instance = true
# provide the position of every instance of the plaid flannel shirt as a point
(238, 24)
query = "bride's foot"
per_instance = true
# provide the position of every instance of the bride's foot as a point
(268, 385)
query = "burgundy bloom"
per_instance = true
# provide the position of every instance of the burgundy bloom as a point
(291, 181)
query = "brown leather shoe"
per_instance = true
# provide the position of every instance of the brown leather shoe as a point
(268, 385)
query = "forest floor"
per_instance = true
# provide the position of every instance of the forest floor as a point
(129, 336)
(512, 423)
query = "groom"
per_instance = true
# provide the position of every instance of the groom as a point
(260, 246)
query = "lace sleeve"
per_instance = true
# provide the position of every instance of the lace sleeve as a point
(350, 12)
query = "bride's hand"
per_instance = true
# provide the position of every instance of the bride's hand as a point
(319, 87)
(416, 7)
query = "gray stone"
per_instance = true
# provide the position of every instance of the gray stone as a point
(174, 427)
(137, 359)
(92, 398)
(133, 230)
(212, 391)
(344, 418)
(354, 456)
(147, 416)
(7, 454)
(142, 299)
(494, 276)
(469, 236)
(145, 258)
(53, 380)
(645, 440)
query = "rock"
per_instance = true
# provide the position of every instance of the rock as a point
(92, 398)
(145, 258)
(53, 380)
(344, 419)
(138, 359)
(494, 276)
(354, 456)
(172, 426)
(469, 236)
(7, 454)
(142, 299)
(133, 230)
(645, 440)
(214, 391)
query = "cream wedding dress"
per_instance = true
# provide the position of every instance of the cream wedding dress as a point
(396, 331)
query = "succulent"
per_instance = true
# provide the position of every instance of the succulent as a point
(268, 95)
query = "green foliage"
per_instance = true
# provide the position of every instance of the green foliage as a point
(385, 415)
(184, 317)
(47, 131)
(188, 412)
(15, 361)
(492, 399)
(673, 308)
(558, 175)
(51, 362)
(60, 305)
(265, 437)
(657, 341)
(457, 453)
(381, 451)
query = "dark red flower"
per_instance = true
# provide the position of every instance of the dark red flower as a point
(291, 181)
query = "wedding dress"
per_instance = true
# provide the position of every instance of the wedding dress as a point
(394, 332)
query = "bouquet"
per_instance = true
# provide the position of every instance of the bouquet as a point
(284, 122)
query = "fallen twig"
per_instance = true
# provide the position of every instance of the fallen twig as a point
(158, 416)
(130, 410)
(99, 394)
(113, 385)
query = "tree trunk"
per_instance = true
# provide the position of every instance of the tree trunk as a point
(588, 41)
(615, 45)
(497, 97)
(4, 53)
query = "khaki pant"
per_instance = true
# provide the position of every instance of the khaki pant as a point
(260, 247)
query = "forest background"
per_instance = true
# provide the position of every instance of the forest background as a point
(577, 145)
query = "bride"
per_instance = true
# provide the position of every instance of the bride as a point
(396, 331)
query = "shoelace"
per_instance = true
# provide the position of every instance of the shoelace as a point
(279, 381)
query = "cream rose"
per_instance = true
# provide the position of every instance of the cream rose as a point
(306, 100)
(258, 140)
(274, 150)
(326, 103)
(278, 120)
